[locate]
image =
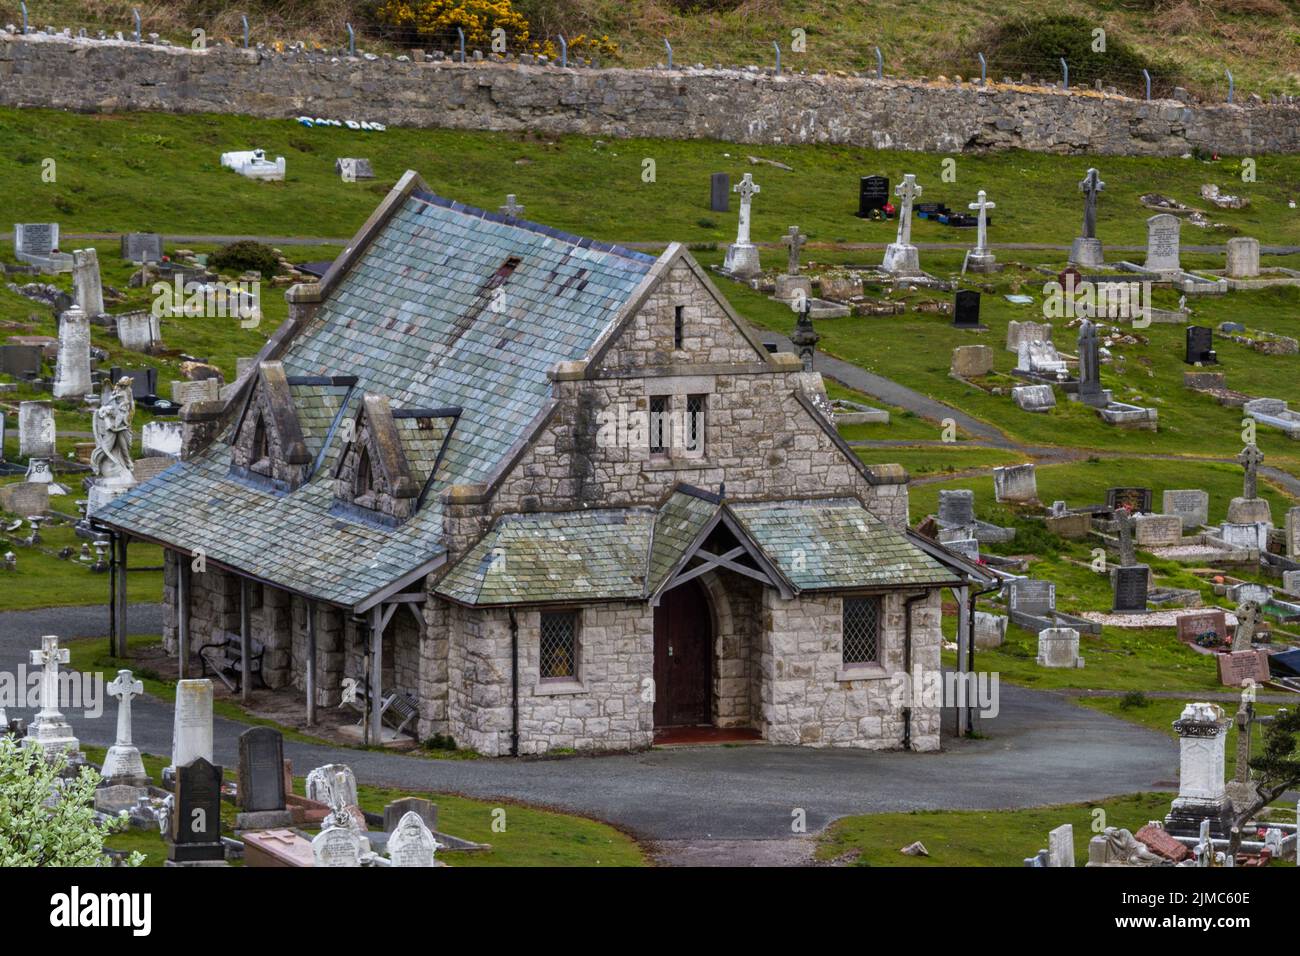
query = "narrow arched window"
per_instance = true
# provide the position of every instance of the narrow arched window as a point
(361, 478)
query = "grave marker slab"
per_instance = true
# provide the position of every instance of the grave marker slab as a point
(1243, 258)
(87, 285)
(425, 809)
(720, 192)
(1162, 243)
(873, 195)
(1200, 346)
(142, 246)
(1015, 483)
(1237, 667)
(1131, 589)
(1137, 500)
(966, 309)
(195, 819)
(1191, 505)
(971, 361)
(1156, 531)
(411, 843)
(335, 847)
(261, 769)
(192, 723)
(72, 370)
(1207, 628)
(1060, 846)
(36, 430)
(1058, 647)
(1033, 398)
(1032, 596)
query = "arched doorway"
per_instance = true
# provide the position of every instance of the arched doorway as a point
(683, 657)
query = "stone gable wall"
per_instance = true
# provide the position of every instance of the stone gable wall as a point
(731, 105)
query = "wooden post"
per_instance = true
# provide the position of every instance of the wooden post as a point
(376, 691)
(311, 663)
(962, 595)
(245, 639)
(120, 603)
(182, 612)
(112, 597)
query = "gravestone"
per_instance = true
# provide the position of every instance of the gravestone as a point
(261, 770)
(1090, 390)
(901, 257)
(203, 390)
(332, 783)
(25, 498)
(35, 243)
(72, 369)
(1060, 846)
(1202, 790)
(142, 246)
(1015, 483)
(1209, 628)
(1032, 596)
(161, 438)
(122, 763)
(192, 722)
(742, 255)
(1131, 589)
(873, 195)
(956, 508)
(49, 729)
(1250, 591)
(970, 361)
(353, 169)
(21, 361)
(36, 430)
(1137, 500)
(411, 843)
(981, 258)
(990, 629)
(139, 330)
(720, 192)
(966, 309)
(1157, 531)
(424, 809)
(335, 847)
(1249, 508)
(1247, 534)
(1243, 258)
(1200, 346)
(144, 381)
(1192, 505)
(512, 208)
(1018, 332)
(1162, 243)
(1291, 583)
(1058, 647)
(86, 283)
(1086, 249)
(195, 820)
(1292, 529)
(1237, 667)
(1034, 398)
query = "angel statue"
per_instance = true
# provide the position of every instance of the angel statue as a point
(111, 459)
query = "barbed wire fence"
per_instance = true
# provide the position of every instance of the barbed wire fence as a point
(454, 44)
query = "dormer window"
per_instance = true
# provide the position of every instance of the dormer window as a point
(373, 472)
(260, 456)
(362, 478)
(268, 446)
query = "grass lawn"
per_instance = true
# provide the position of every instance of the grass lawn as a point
(532, 837)
(982, 837)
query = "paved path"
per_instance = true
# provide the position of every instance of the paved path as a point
(1041, 749)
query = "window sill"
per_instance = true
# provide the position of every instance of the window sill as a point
(861, 672)
(554, 688)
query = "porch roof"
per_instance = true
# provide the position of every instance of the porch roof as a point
(631, 553)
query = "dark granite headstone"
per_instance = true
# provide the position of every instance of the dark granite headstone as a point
(966, 309)
(21, 361)
(144, 381)
(1131, 589)
(1200, 346)
(1032, 596)
(1138, 499)
(873, 194)
(393, 812)
(720, 192)
(194, 828)
(261, 770)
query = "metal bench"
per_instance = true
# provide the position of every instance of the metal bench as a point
(225, 659)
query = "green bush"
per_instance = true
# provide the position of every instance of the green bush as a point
(245, 256)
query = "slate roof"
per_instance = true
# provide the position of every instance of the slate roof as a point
(413, 317)
(627, 554)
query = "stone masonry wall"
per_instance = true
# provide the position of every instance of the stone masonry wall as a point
(805, 702)
(731, 105)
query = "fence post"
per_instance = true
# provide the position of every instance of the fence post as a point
(880, 65)
(1229, 72)
(984, 71)
(669, 47)
(352, 41)
(245, 19)
(461, 33)
(24, 6)
(1065, 69)
(136, 14)
(777, 47)
(1147, 76)
(564, 51)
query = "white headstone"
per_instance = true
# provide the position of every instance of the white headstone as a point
(1162, 243)
(72, 371)
(50, 730)
(1060, 846)
(412, 843)
(36, 430)
(1243, 258)
(1015, 483)
(1201, 756)
(123, 758)
(1059, 647)
(161, 438)
(192, 728)
(742, 255)
(87, 286)
(1192, 505)
(331, 783)
(336, 846)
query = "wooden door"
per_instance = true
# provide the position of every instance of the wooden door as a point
(683, 658)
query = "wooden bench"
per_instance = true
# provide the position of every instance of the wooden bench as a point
(398, 710)
(225, 659)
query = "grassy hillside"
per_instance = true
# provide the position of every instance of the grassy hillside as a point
(1188, 41)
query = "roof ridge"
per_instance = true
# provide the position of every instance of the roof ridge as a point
(583, 242)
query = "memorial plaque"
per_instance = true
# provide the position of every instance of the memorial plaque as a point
(1206, 628)
(1200, 346)
(261, 769)
(1032, 596)
(1131, 589)
(873, 195)
(720, 192)
(966, 309)
(1137, 499)
(195, 820)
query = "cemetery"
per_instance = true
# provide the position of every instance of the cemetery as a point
(476, 453)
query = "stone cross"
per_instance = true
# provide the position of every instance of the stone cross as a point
(907, 191)
(512, 208)
(794, 240)
(48, 658)
(981, 207)
(1240, 790)
(1243, 637)
(1250, 458)
(1091, 186)
(1127, 556)
(747, 189)
(124, 688)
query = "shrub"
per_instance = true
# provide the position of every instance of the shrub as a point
(1133, 699)
(245, 256)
